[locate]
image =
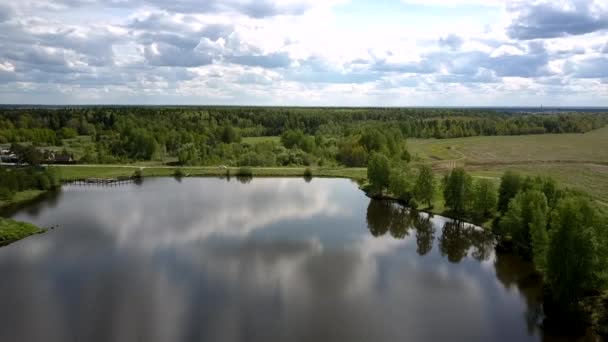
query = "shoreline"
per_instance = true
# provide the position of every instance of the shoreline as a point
(12, 231)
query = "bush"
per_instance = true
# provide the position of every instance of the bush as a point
(6, 194)
(308, 173)
(178, 173)
(244, 171)
(138, 174)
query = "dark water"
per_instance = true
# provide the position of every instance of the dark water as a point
(273, 259)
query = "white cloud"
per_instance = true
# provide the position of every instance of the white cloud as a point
(296, 52)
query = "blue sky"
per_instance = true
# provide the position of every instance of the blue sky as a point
(305, 52)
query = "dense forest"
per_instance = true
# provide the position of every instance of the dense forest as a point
(309, 136)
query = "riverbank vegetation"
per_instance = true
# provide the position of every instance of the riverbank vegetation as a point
(561, 231)
(11, 231)
(23, 183)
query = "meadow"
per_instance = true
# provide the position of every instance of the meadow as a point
(579, 161)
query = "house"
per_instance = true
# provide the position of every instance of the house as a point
(63, 159)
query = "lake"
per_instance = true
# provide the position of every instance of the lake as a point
(210, 259)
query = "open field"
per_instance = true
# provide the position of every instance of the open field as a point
(578, 160)
(591, 147)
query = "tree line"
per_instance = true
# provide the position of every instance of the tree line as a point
(309, 136)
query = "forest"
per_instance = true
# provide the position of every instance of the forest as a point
(218, 135)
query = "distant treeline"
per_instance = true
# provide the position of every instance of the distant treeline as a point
(208, 135)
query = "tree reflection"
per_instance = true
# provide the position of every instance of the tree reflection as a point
(386, 216)
(458, 238)
(244, 179)
(513, 271)
(425, 232)
(379, 217)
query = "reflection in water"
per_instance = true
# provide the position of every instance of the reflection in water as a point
(271, 259)
(425, 233)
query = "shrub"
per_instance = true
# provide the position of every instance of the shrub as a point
(308, 173)
(244, 171)
(178, 173)
(138, 174)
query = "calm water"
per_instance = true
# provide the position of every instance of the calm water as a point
(272, 259)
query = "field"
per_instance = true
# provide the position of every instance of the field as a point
(578, 160)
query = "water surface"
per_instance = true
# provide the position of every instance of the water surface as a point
(208, 259)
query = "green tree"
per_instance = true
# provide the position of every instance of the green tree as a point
(526, 211)
(400, 185)
(572, 253)
(378, 171)
(484, 197)
(424, 190)
(457, 188)
(510, 184)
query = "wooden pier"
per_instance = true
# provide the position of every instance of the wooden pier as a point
(103, 181)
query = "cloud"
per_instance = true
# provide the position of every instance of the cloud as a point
(6, 13)
(270, 61)
(553, 19)
(251, 8)
(596, 67)
(451, 41)
(302, 52)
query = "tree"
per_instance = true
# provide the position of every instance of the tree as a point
(571, 256)
(484, 198)
(400, 185)
(424, 190)
(457, 188)
(527, 215)
(378, 171)
(27, 154)
(510, 184)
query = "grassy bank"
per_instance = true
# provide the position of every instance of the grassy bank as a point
(73, 172)
(11, 231)
(21, 198)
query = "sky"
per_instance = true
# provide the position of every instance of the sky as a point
(305, 52)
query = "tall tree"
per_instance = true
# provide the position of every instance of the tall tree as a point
(484, 197)
(378, 171)
(571, 257)
(457, 187)
(526, 211)
(424, 190)
(510, 183)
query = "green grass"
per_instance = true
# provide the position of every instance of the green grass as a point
(574, 148)
(257, 140)
(579, 161)
(11, 230)
(22, 197)
(73, 172)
